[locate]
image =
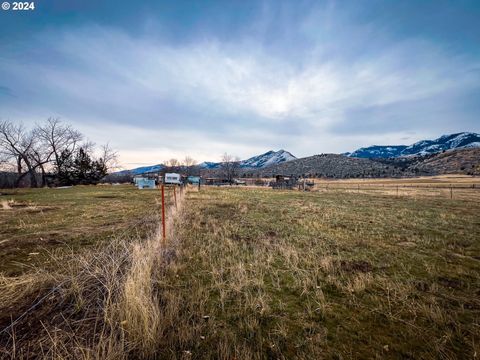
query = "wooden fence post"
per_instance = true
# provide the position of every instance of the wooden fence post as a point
(451, 192)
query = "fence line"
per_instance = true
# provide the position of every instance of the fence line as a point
(427, 190)
(71, 279)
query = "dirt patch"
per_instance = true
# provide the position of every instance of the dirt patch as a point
(271, 234)
(353, 266)
(6, 205)
(421, 286)
(450, 282)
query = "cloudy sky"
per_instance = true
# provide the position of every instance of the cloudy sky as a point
(162, 78)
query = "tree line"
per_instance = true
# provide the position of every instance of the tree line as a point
(51, 153)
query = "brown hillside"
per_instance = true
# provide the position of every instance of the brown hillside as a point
(465, 161)
(330, 165)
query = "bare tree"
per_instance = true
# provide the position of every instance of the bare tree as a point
(109, 157)
(44, 148)
(188, 161)
(57, 137)
(230, 165)
(173, 163)
(16, 144)
(189, 164)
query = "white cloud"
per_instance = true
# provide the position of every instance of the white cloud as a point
(207, 97)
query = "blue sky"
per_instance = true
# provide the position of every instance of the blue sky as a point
(161, 79)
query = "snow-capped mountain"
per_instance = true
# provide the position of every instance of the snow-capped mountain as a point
(259, 161)
(269, 158)
(446, 142)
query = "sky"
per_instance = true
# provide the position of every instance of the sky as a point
(161, 79)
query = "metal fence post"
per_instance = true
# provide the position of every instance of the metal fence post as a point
(164, 234)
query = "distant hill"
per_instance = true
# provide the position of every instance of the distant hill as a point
(457, 161)
(330, 165)
(462, 161)
(461, 140)
(142, 170)
(267, 159)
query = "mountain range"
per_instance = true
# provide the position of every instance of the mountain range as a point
(255, 162)
(461, 140)
(388, 160)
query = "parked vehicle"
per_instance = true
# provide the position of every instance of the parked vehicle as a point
(172, 178)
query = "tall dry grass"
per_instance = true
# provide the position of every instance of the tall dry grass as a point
(100, 304)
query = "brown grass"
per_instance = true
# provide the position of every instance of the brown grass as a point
(254, 273)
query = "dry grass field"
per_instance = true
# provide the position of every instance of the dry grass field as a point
(252, 273)
(36, 222)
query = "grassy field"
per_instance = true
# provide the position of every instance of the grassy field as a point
(285, 274)
(256, 273)
(36, 222)
(460, 187)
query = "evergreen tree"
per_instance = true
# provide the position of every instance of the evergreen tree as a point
(79, 169)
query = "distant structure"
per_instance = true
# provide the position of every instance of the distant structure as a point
(284, 182)
(144, 183)
(194, 180)
(173, 178)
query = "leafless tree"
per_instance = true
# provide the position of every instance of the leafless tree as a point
(173, 163)
(17, 144)
(230, 165)
(188, 161)
(109, 157)
(53, 137)
(189, 164)
(39, 150)
(57, 137)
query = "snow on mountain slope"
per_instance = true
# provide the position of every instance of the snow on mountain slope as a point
(423, 147)
(377, 151)
(269, 158)
(142, 170)
(209, 165)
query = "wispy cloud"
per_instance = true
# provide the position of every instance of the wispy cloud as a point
(153, 98)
